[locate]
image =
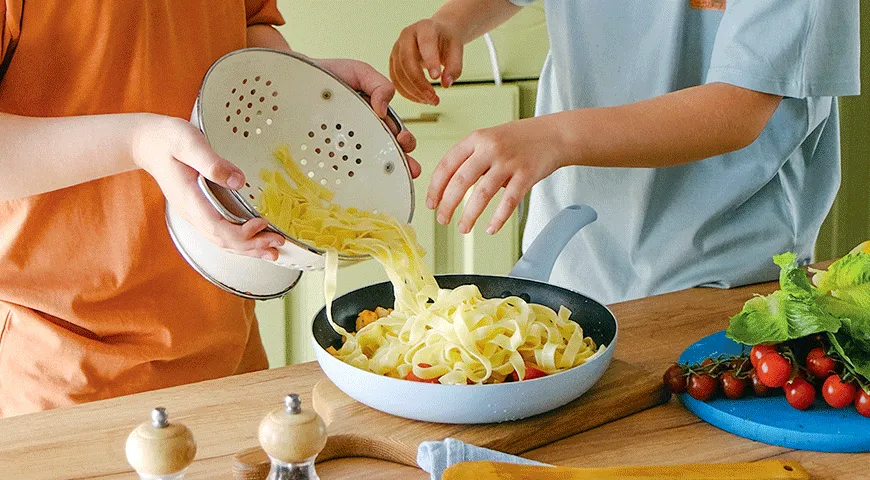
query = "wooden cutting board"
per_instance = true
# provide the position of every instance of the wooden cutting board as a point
(356, 430)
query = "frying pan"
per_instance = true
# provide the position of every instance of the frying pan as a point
(479, 403)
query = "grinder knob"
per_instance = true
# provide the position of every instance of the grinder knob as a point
(158, 449)
(292, 437)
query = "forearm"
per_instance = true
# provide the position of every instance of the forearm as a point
(673, 129)
(45, 154)
(472, 18)
(266, 36)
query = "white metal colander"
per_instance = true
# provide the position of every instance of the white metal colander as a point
(253, 101)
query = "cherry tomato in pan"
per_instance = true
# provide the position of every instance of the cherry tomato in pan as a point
(837, 393)
(800, 394)
(410, 376)
(531, 373)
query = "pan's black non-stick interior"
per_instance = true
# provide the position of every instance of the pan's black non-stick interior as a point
(597, 322)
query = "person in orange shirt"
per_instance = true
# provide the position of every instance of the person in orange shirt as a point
(95, 301)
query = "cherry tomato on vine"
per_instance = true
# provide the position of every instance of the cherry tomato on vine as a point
(837, 393)
(758, 351)
(760, 389)
(773, 369)
(862, 402)
(732, 386)
(676, 378)
(800, 394)
(701, 386)
(819, 364)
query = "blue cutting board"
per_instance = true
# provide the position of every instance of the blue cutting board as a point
(772, 420)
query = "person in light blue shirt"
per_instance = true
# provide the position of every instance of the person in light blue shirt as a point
(704, 132)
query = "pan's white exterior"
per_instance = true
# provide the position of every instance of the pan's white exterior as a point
(464, 403)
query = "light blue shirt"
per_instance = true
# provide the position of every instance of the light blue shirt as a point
(715, 222)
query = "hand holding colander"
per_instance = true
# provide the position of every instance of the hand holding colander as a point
(252, 102)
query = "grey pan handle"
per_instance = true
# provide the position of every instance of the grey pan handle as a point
(537, 263)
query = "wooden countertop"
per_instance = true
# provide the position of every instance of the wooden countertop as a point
(87, 441)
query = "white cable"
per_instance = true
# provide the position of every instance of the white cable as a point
(493, 59)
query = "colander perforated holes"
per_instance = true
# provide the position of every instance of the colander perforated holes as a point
(323, 126)
(317, 150)
(247, 184)
(338, 126)
(350, 133)
(268, 82)
(350, 174)
(248, 123)
(340, 144)
(310, 174)
(358, 146)
(303, 147)
(359, 161)
(320, 164)
(331, 154)
(338, 181)
(344, 157)
(311, 134)
(335, 167)
(327, 140)
(323, 181)
(303, 162)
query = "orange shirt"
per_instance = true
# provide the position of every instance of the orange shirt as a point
(95, 301)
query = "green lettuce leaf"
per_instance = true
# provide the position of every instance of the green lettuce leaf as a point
(848, 279)
(852, 342)
(778, 317)
(792, 279)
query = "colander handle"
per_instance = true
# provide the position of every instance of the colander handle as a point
(391, 114)
(223, 201)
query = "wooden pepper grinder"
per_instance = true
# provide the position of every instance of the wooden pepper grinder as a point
(159, 450)
(292, 438)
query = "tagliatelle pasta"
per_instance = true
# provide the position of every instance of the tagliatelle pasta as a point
(454, 335)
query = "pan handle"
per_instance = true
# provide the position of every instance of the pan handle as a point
(537, 263)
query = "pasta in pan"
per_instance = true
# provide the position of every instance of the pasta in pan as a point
(451, 336)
